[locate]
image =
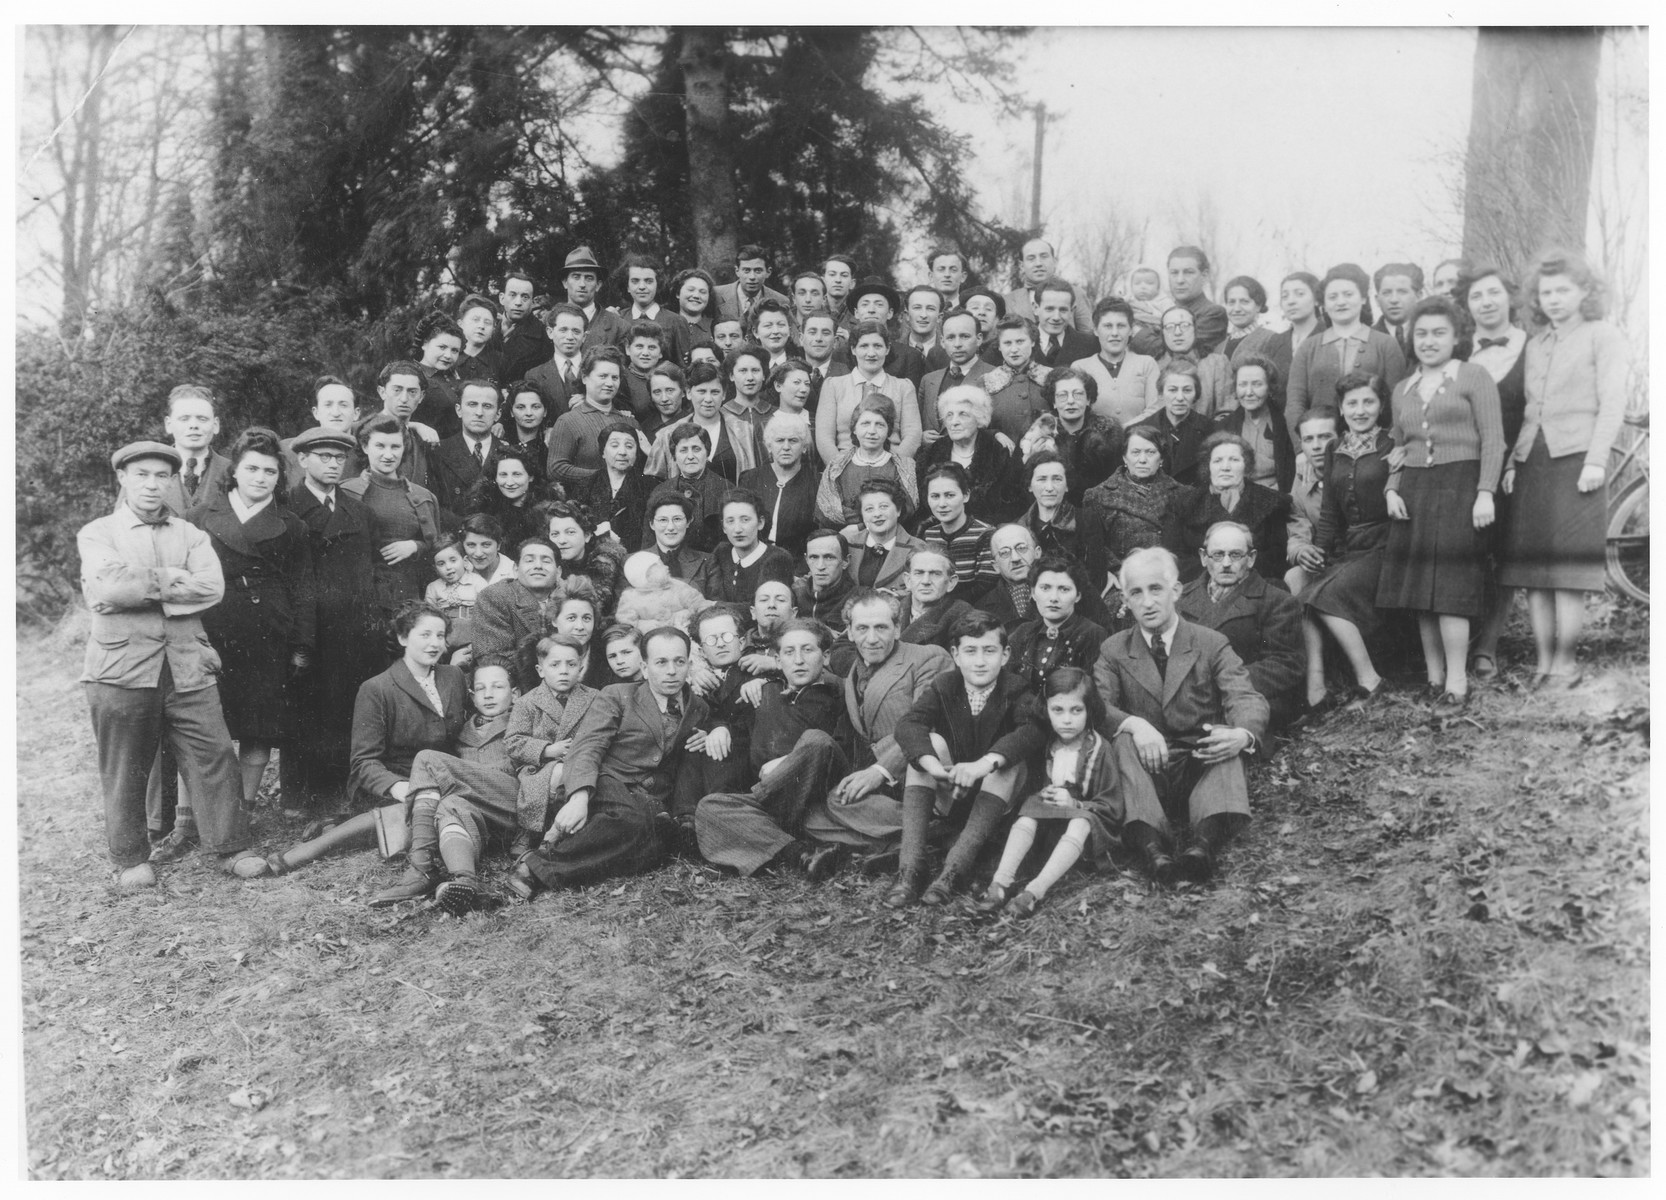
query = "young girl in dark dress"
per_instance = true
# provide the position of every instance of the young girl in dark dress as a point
(1446, 417)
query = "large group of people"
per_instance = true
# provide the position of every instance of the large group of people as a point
(782, 580)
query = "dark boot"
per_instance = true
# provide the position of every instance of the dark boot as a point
(1209, 837)
(823, 862)
(942, 888)
(905, 890)
(419, 879)
(1153, 850)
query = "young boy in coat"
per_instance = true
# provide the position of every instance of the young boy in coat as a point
(541, 732)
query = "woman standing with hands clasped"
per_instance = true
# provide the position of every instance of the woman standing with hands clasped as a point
(1446, 418)
(1576, 399)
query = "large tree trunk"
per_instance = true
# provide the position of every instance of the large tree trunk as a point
(711, 169)
(1532, 134)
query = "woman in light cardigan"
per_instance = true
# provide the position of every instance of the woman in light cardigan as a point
(1576, 399)
(840, 394)
(1446, 420)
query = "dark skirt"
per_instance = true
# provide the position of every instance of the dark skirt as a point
(1436, 562)
(1348, 587)
(1557, 536)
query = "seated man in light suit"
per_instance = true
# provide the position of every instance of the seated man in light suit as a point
(1261, 620)
(865, 808)
(1184, 715)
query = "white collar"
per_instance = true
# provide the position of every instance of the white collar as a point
(756, 553)
(246, 512)
(1167, 635)
(886, 546)
(324, 496)
(484, 441)
(645, 314)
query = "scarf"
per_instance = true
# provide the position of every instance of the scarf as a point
(1229, 497)
(1358, 445)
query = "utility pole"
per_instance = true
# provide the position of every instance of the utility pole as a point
(1035, 183)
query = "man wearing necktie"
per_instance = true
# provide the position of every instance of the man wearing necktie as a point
(1399, 286)
(1184, 715)
(557, 380)
(621, 775)
(192, 424)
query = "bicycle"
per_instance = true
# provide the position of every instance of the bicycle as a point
(1628, 514)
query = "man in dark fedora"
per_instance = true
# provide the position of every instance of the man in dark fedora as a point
(150, 672)
(875, 300)
(581, 276)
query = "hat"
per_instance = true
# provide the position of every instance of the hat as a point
(873, 285)
(147, 449)
(319, 438)
(580, 260)
(1000, 303)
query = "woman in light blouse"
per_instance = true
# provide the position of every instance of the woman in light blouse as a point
(1349, 344)
(1576, 377)
(840, 394)
(1440, 499)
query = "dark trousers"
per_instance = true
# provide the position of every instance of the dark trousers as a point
(619, 838)
(744, 830)
(130, 725)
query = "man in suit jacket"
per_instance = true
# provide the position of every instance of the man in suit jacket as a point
(525, 345)
(735, 301)
(510, 614)
(1263, 622)
(1184, 714)
(823, 590)
(193, 426)
(461, 459)
(959, 338)
(865, 808)
(313, 766)
(1127, 381)
(1058, 343)
(1399, 286)
(1037, 263)
(149, 671)
(620, 775)
(560, 381)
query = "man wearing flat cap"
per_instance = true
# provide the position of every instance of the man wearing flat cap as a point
(312, 768)
(150, 672)
(581, 276)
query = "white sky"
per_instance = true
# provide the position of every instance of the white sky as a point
(1317, 144)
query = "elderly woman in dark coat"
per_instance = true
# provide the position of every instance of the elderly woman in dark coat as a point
(263, 629)
(618, 492)
(1230, 496)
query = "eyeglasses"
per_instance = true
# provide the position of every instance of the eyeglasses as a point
(1169, 327)
(718, 639)
(329, 456)
(1017, 551)
(1221, 556)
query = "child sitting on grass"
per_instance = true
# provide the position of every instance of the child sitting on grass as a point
(1080, 801)
(541, 733)
(967, 739)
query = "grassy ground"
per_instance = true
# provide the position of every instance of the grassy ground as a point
(1429, 956)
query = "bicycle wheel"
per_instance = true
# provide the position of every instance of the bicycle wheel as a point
(1628, 541)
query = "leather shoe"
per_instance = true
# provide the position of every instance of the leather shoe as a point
(880, 862)
(1195, 864)
(172, 848)
(904, 891)
(414, 884)
(1024, 904)
(942, 888)
(823, 862)
(993, 899)
(1449, 705)
(522, 882)
(1160, 866)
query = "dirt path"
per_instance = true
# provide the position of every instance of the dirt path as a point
(1430, 955)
